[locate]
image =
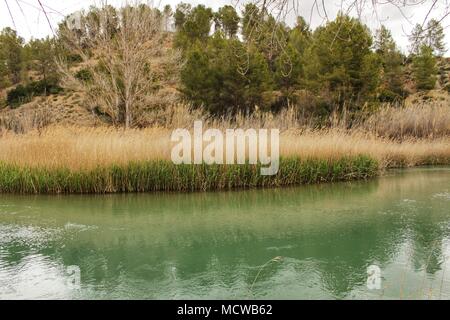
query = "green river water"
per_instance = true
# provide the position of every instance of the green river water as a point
(306, 242)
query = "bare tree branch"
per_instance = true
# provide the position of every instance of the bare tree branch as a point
(128, 58)
(10, 14)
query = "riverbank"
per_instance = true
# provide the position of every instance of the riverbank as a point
(164, 176)
(107, 160)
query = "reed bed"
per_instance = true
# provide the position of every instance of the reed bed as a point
(336, 143)
(88, 148)
(419, 120)
(106, 160)
(164, 176)
(83, 148)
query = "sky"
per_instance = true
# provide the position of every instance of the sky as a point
(30, 22)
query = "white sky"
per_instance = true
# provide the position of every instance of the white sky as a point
(31, 22)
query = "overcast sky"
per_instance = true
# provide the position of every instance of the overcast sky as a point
(31, 22)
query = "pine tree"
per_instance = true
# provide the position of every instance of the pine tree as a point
(290, 64)
(42, 53)
(181, 12)
(227, 20)
(392, 65)
(424, 69)
(436, 37)
(384, 43)
(212, 76)
(416, 39)
(432, 36)
(370, 74)
(192, 24)
(252, 18)
(341, 48)
(11, 47)
(300, 36)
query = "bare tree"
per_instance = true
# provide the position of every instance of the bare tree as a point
(125, 64)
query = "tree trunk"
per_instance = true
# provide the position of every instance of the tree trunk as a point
(127, 115)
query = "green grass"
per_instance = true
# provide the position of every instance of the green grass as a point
(165, 176)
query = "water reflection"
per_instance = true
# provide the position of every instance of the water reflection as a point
(214, 245)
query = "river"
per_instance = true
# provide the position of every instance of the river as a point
(307, 242)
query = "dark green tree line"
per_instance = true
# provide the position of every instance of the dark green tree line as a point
(235, 61)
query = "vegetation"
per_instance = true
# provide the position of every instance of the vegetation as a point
(320, 158)
(165, 176)
(101, 160)
(421, 120)
(341, 64)
(24, 93)
(10, 57)
(392, 77)
(340, 94)
(18, 60)
(424, 68)
(126, 77)
(431, 36)
(225, 62)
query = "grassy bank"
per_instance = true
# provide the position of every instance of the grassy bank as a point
(164, 176)
(106, 160)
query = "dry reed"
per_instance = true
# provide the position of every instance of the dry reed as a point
(87, 148)
(419, 120)
(106, 159)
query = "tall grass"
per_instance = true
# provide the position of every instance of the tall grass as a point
(89, 148)
(419, 120)
(425, 119)
(165, 176)
(336, 143)
(106, 159)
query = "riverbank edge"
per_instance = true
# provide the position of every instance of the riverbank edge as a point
(148, 176)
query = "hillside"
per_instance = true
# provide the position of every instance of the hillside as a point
(69, 108)
(66, 109)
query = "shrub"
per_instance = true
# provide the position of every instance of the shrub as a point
(23, 94)
(84, 75)
(387, 95)
(18, 96)
(447, 87)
